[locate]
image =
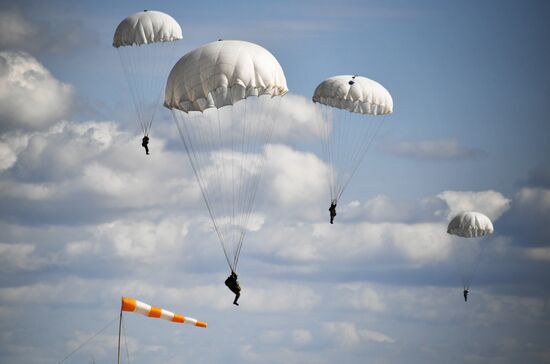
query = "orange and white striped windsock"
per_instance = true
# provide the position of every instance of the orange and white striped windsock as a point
(132, 305)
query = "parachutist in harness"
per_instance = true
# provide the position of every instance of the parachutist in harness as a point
(332, 210)
(233, 284)
(145, 143)
(465, 295)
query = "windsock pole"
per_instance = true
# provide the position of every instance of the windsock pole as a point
(119, 327)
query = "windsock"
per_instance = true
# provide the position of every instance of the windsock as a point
(132, 305)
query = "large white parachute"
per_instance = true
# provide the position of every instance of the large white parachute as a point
(469, 227)
(223, 97)
(145, 44)
(470, 224)
(352, 107)
(222, 73)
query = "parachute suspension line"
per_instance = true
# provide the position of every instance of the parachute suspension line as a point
(145, 68)
(362, 153)
(119, 326)
(193, 155)
(264, 135)
(131, 82)
(477, 262)
(232, 118)
(89, 339)
(325, 128)
(206, 127)
(329, 155)
(209, 135)
(252, 182)
(243, 162)
(467, 255)
(342, 135)
(251, 124)
(224, 185)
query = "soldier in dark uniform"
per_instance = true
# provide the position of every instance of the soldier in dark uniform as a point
(233, 284)
(332, 210)
(145, 143)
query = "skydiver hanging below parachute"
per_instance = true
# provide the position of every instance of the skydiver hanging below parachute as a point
(347, 102)
(473, 226)
(233, 284)
(145, 144)
(145, 44)
(222, 96)
(332, 210)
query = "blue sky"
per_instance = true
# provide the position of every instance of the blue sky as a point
(85, 218)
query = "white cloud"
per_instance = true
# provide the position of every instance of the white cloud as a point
(7, 156)
(491, 203)
(442, 149)
(297, 119)
(382, 208)
(356, 244)
(142, 241)
(30, 96)
(95, 164)
(295, 180)
(20, 256)
(537, 200)
(363, 297)
(542, 254)
(348, 335)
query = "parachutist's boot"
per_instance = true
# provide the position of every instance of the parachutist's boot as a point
(235, 303)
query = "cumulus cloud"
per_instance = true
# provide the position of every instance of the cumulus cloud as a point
(19, 257)
(536, 200)
(348, 335)
(382, 208)
(295, 180)
(491, 203)
(31, 98)
(297, 119)
(71, 171)
(7, 156)
(542, 254)
(362, 245)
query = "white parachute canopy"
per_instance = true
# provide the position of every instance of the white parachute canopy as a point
(352, 108)
(470, 224)
(467, 252)
(223, 97)
(144, 42)
(222, 73)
